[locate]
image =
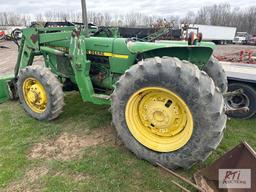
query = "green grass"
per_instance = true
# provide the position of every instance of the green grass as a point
(100, 168)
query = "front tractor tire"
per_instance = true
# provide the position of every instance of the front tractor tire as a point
(40, 93)
(168, 111)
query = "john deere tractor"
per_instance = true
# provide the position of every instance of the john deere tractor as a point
(166, 98)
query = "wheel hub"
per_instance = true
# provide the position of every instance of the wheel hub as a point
(239, 101)
(35, 95)
(157, 116)
(161, 115)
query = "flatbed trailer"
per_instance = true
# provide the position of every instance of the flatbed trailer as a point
(241, 76)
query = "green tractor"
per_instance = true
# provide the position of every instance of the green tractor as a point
(166, 98)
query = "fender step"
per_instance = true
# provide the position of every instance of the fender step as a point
(101, 96)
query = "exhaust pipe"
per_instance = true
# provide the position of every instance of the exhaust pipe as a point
(84, 16)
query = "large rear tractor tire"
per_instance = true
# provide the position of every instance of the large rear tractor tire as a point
(168, 111)
(215, 70)
(40, 93)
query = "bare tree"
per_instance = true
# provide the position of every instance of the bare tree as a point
(223, 14)
(11, 18)
(189, 18)
(219, 14)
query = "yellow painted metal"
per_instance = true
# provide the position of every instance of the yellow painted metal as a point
(159, 119)
(35, 95)
(116, 55)
(120, 56)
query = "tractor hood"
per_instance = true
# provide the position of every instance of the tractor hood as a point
(140, 47)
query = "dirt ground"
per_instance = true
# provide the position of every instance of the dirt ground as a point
(223, 50)
(8, 55)
(67, 146)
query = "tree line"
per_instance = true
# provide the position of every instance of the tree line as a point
(100, 19)
(218, 14)
(14, 19)
(224, 15)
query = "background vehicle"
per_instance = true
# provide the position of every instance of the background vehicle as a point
(241, 76)
(2, 35)
(242, 38)
(252, 40)
(216, 34)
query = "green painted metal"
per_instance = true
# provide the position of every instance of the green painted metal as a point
(197, 54)
(81, 67)
(97, 61)
(4, 89)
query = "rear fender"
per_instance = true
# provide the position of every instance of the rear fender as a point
(196, 55)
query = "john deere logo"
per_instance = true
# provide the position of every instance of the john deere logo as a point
(91, 52)
(107, 54)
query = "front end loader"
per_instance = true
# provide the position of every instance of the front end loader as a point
(166, 98)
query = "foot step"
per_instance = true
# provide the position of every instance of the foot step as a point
(101, 96)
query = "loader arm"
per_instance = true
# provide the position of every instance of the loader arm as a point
(27, 50)
(54, 44)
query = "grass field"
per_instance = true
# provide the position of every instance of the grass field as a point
(80, 152)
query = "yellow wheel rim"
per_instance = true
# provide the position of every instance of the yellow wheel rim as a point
(159, 119)
(35, 95)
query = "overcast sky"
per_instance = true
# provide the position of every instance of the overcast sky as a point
(149, 7)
